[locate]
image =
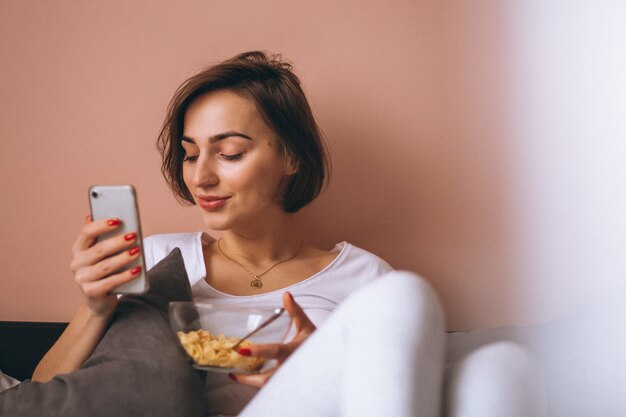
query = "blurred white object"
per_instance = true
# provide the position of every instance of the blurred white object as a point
(7, 382)
(570, 99)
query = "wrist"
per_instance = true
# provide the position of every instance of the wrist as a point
(96, 314)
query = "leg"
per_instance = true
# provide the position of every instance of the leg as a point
(379, 354)
(500, 379)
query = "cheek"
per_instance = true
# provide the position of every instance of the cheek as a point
(258, 179)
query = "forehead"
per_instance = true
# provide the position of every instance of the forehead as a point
(220, 111)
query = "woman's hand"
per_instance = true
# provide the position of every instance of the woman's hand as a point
(94, 266)
(279, 351)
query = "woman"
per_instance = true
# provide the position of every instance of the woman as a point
(240, 142)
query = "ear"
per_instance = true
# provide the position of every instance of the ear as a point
(291, 165)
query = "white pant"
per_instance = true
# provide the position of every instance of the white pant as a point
(500, 379)
(381, 353)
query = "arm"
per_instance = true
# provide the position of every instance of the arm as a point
(74, 346)
(92, 264)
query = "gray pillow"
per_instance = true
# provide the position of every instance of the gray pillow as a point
(137, 369)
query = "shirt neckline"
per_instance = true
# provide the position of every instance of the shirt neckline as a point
(204, 238)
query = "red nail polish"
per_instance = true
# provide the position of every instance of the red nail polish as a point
(114, 222)
(244, 352)
(135, 271)
(130, 236)
(233, 377)
(134, 251)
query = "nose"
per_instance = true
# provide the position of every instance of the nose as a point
(204, 174)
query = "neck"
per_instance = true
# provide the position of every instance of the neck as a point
(266, 243)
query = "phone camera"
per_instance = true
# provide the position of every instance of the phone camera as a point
(94, 194)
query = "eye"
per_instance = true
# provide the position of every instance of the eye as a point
(232, 157)
(190, 158)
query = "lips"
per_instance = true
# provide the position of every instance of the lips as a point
(212, 202)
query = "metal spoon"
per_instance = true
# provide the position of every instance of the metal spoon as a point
(277, 313)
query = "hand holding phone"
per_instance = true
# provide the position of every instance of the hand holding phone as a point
(120, 202)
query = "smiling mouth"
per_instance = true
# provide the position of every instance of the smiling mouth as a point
(212, 203)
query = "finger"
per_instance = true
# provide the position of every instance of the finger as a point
(279, 351)
(88, 219)
(254, 380)
(93, 272)
(300, 319)
(103, 287)
(107, 248)
(91, 230)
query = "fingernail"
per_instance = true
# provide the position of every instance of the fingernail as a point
(114, 222)
(130, 236)
(135, 271)
(244, 352)
(233, 377)
(134, 251)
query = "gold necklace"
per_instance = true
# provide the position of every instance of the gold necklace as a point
(256, 278)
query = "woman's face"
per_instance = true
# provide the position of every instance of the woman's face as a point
(233, 164)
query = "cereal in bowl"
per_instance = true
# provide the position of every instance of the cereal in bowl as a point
(207, 349)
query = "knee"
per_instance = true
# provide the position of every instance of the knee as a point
(407, 290)
(491, 359)
(498, 379)
(400, 297)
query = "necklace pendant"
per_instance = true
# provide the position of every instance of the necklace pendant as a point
(256, 283)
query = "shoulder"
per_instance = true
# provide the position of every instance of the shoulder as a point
(157, 247)
(351, 268)
(357, 260)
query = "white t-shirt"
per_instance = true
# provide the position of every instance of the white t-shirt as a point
(318, 295)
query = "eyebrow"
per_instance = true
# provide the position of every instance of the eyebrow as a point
(218, 137)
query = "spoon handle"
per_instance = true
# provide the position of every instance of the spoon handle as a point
(277, 313)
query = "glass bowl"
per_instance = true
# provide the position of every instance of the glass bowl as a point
(207, 331)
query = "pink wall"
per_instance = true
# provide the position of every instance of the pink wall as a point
(414, 98)
(420, 176)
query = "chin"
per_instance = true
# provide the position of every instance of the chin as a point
(215, 221)
(219, 226)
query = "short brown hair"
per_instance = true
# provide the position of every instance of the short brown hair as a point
(276, 90)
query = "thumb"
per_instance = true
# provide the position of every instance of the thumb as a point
(300, 319)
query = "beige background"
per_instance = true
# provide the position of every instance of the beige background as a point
(450, 126)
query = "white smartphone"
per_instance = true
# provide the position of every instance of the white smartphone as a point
(120, 202)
